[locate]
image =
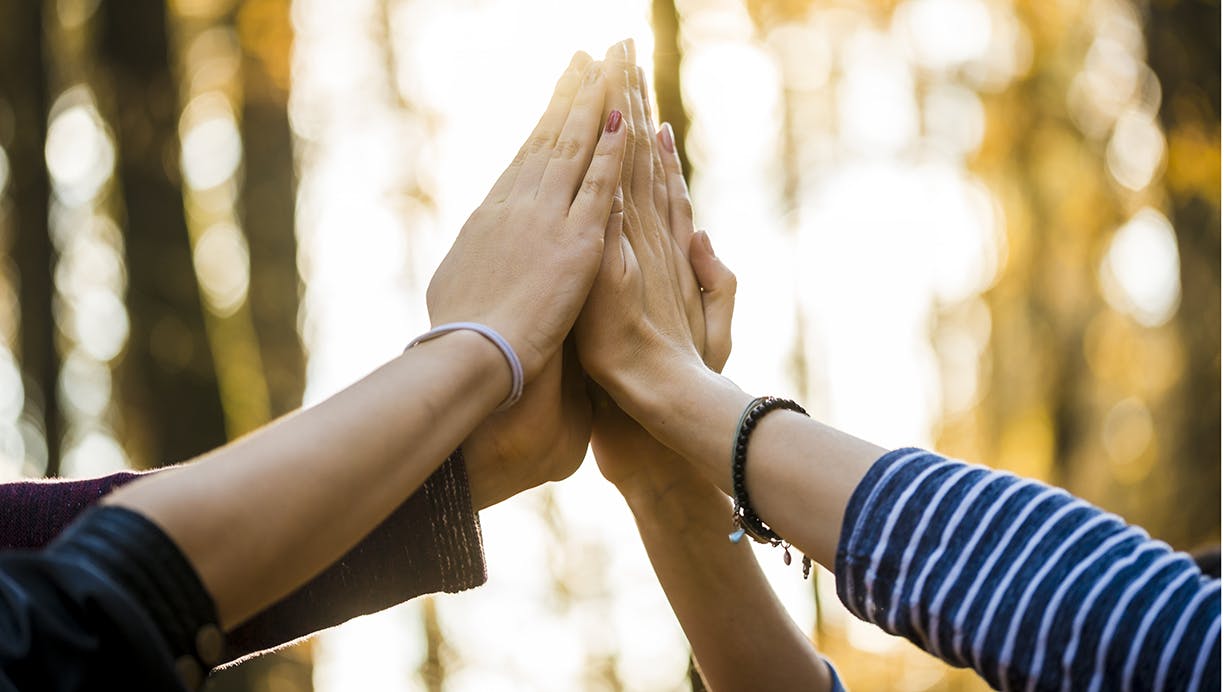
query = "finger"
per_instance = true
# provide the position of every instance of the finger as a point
(658, 180)
(618, 254)
(599, 195)
(641, 192)
(523, 173)
(571, 155)
(616, 76)
(679, 203)
(718, 299)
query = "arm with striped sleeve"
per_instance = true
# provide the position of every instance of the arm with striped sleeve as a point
(1030, 586)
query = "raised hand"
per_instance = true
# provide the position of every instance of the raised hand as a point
(524, 261)
(658, 196)
(544, 436)
(643, 316)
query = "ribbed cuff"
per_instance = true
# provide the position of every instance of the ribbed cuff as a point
(458, 548)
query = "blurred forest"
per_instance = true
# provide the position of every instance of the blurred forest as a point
(151, 293)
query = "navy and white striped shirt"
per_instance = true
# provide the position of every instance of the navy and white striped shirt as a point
(1032, 587)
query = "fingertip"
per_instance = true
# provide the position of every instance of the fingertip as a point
(711, 273)
(700, 245)
(667, 140)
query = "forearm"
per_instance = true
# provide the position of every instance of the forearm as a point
(741, 636)
(1030, 586)
(262, 515)
(800, 473)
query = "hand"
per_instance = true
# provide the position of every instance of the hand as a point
(542, 438)
(636, 463)
(643, 316)
(524, 261)
(627, 455)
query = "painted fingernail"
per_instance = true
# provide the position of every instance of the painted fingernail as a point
(614, 121)
(668, 139)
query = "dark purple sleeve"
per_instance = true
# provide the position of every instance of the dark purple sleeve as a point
(35, 512)
(430, 543)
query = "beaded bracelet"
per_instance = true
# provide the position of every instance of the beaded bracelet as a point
(512, 359)
(744, 518)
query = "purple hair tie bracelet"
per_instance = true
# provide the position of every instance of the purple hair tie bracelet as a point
(516, 367)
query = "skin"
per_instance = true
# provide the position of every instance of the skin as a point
(747, 641)
(545, 220)
(637, 342)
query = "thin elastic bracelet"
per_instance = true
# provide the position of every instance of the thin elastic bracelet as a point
(744, 518)
(516, 367)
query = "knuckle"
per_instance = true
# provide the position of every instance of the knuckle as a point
(520, 157)
(594, 185)
(567, 148)
(538, 142)
(684, 206)
(640, 138)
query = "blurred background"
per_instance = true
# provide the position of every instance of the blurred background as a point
(987, 226)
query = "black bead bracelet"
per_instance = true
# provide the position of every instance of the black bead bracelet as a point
(745, 519)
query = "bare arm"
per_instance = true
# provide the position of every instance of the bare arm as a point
(742, 638)
(259, 517)
(800, 473)
(522, 264)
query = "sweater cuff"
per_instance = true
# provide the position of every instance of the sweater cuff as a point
(458, 548)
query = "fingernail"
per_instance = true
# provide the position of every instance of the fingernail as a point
(705, 240)
(614, 121)
(665, 135)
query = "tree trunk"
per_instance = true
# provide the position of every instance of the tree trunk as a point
(1184, 51)
(168, 376)
(667, 58)
(23, 131)
(268, 199)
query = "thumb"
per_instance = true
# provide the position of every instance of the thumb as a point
(717, 299)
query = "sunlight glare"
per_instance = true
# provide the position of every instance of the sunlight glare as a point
(79, 152)
(212, 145)
(1141, 272)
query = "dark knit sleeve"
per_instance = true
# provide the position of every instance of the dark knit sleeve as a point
(1030, 586)
(431, 543)
(112, 603)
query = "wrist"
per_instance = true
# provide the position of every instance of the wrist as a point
(487, 374)
(465, 348)
(656, 389)
(693, 411)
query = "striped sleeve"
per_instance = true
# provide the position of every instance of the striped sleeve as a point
(1031, 587)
